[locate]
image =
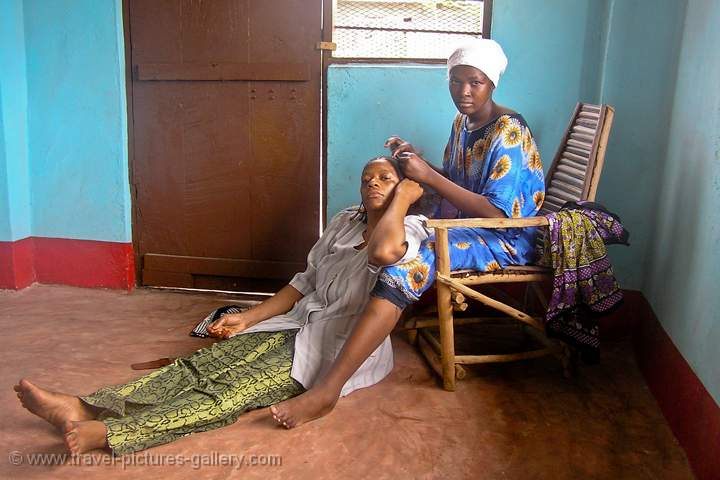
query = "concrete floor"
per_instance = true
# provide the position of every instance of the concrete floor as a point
(513, 421)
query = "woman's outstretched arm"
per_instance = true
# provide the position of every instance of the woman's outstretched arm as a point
(282, 302)
(386, 243)
(232, 323)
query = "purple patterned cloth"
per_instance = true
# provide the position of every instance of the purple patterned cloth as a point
(584, 283)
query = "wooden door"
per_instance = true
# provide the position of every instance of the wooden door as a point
(225, 140)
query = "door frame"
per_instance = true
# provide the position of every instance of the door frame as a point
(127, 46)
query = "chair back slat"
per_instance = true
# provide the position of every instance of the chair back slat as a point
(575, 171)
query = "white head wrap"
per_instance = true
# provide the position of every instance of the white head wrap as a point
(482, 53)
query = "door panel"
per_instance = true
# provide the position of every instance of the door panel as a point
(226, 138)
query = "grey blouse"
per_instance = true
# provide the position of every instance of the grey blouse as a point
(336, 286)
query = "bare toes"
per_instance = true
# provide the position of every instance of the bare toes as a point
(70, 437)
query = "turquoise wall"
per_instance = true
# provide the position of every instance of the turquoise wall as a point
(554, 50)
(367, 104)
(684, 263)
(77, 119)
(5, 229)
(15, 214)
(639, 79)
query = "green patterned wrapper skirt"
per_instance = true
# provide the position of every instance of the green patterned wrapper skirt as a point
(207, 390)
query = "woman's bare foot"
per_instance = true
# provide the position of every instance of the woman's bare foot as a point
(311, 405)
(81, 437)
(53, 407)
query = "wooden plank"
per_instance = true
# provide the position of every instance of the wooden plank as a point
(581, 137)
(488, 222)
(286, 72)
(527, 269)
(431, 349)
(579, 159)
(573, 164)
(585, 122)
(558, 153)
(565, 187)
(501, 294)
(445, 312)
(580, 145)
(589, 115)
(505, 357)
(580, 153)
(572, 170)
(154, 278)
(570, 179)
(568, 182)
(555, 203)
(563, 191)
(594, 179)
(561, 195)
(432, 341)
(429, 322)
(490, 302)
(226, 267)
(583, 130)
(502, 278)
(552, 199)
(432, 358)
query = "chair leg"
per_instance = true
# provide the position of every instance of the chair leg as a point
(445, 310)
(408, 321)
(447, 337)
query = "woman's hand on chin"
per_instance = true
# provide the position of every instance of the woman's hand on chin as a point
(228, 325)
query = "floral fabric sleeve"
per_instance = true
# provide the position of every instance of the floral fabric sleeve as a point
(512, 178)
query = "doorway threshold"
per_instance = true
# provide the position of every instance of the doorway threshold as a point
(209, 291)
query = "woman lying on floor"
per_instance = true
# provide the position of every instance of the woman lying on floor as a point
(270, 353)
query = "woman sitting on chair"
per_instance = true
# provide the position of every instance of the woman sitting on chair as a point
(270, 352)
(491, 169)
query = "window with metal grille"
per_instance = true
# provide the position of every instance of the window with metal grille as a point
(405, 29)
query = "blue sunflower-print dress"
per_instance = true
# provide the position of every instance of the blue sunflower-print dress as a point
(500, 161)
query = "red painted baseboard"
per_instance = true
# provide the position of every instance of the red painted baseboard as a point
(692, 413)
(17, 268)
(82, 263)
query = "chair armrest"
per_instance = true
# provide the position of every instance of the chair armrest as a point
(488, 222)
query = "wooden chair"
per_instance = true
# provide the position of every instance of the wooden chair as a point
(574, 175)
